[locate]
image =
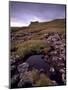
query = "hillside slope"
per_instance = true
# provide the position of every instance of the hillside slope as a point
(36, 30)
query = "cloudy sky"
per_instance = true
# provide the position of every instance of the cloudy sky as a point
(21, 13)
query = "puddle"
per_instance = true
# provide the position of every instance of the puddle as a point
(38, 62)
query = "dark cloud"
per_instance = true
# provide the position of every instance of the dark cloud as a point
(22, 13)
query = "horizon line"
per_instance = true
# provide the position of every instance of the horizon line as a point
(38, 22)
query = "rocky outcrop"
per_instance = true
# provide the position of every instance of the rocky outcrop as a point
(56, 56)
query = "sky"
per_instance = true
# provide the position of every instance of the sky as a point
(22, 13)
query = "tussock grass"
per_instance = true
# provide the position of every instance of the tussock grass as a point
(32, 46)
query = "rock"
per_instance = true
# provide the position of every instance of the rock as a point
(54, 58)
(27, 75)
(14, 80)
(24, 84)
(52, 69)
(61, 64)
(63, 77)
(42, 71)
(20, 84)
(17, 56)
(23, 67)
(13, 67)
(26, 79)
(12, 61)
(58, 43)
(63, 52)
(60, 58)
(54, 83)
(56, 46)
(53, 52)
(62, 71)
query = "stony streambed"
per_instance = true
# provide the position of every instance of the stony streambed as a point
(21, 75)
(19, 67)
(53, 64)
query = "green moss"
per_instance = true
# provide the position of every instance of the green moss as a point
(35, 75)
(43, 81)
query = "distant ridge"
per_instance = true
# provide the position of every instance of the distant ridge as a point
(55, 20)
(42, 25)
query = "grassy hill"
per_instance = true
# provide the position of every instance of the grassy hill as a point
(35, 32)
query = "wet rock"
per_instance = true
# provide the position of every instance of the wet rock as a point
(54, 83)
(13, 67)
(61, 64)
(64, 78)
(54, 58)
(26, 79)
(42, 71)
(20, 84)
(12, 61)
(23, 67)
(14, 81)
(27, 75)
(52, 69)
(60, 58)
(58, 43)
(17, 56)
(53, 52)
(24, 75)
(25, 84)
(62, 71)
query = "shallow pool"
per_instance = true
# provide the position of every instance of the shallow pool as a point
(38, 62)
